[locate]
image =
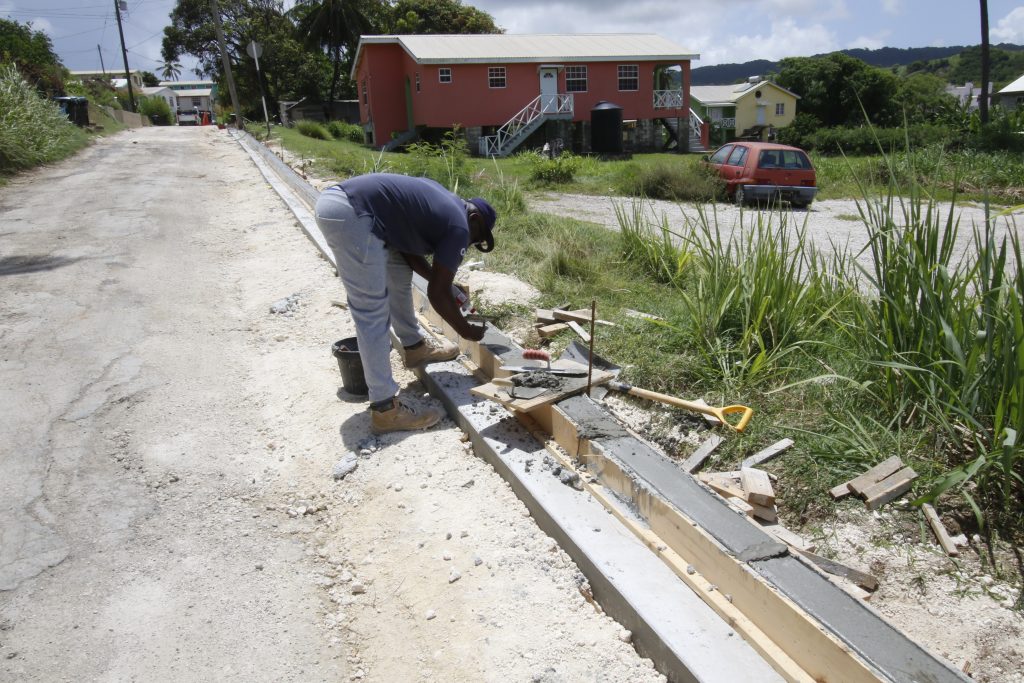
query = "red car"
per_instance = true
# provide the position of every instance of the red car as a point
(765, 172)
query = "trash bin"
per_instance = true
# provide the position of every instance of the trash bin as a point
(351, 366)
(75, 108)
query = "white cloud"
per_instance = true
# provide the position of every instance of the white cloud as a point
(867, 42)
(1010, 29)
(785, 40)
(41, 24)
(892, 7)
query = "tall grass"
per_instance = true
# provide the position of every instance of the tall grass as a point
(33, 131)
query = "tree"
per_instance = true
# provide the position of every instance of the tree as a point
(149, 79)
(32, 53)
(437, 17)
(288, 69)
(170, 70)
(834, 88)
(335, 26)
(922, 97)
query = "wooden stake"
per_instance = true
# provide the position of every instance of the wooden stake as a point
(590, 359)
(694, 462)
(940, 531)
(768, 453)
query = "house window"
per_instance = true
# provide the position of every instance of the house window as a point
(780, 108)
(629, 77)
(197, 101)
(576, 79)
(417, 81)
(495, 77)
(444, 74)
(364, 92)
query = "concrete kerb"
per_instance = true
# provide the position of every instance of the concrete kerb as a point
(669, 643)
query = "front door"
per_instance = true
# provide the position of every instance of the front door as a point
(548, 89)
(760, 114)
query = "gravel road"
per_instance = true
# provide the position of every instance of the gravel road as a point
(167, 510)
(830, 224)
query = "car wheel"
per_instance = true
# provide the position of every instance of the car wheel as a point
(739, 196)
(800, 205)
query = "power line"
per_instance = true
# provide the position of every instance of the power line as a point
(80, 33)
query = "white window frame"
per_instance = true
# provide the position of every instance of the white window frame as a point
(444, 74)
(493, 77)
(576, 79)
(623, 72)
(780, 108)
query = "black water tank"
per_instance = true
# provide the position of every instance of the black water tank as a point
(606, 128)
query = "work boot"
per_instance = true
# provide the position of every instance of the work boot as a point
(430, 350)
(401, 417)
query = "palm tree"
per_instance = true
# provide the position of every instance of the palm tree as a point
(334, 25)
(170, 70)
(983, 97)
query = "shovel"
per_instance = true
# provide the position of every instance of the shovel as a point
(581, 354)
(720, 413)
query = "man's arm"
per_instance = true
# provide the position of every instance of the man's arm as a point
(419, 265)
(439, 291)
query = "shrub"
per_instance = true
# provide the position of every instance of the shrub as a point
(346, 131)
(676, 182)
(33, 131)
(156, 110)
(312, 129)
(560, 169)
(447, 162)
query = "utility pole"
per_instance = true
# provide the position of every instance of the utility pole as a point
(226, 63)
(983, 97)
(103, 67)
(124, 53)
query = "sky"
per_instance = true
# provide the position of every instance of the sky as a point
(720, 31)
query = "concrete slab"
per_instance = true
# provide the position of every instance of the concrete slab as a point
(686, 640)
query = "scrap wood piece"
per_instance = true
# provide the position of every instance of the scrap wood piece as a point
(889, 488)
(839, 492)
(788, 537)
(741, 506)
(545, 316)
(638, 314)
(862, 579)
(884, 469)
(551, 330)
(725, 486)
(757, 487)
(767, 513)
(580, 332)
(697, 458)
(940, 531)
(767, 454)
(581, 315)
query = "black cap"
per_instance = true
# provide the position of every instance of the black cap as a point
(490, 217)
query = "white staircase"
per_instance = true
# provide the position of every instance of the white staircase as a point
(696, 123)
(528, 119)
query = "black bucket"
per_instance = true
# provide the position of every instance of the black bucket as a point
(352, 378)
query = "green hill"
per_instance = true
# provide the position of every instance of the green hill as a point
(956, 64)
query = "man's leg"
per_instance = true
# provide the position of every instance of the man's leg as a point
(362, 265)
(418, 348)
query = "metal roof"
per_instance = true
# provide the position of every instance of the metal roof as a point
(198, 92)
(728, 94)
(507, 47)
(1016, 86)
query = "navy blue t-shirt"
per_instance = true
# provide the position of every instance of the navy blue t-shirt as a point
(412, 215)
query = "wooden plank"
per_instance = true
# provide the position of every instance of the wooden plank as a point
(545, 316)
(874, 475)
(697, 458)
(768, 513)
(889, 488)
(727, 487)
(757, 487)
(841, 491)
(788, 537)
(862, 579)
(638, 314)
(767, 454)
(940, 531)
(580, 332)
(580, 316)
(551, 330)
(741, 505)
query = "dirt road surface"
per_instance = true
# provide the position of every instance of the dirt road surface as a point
(167, 510)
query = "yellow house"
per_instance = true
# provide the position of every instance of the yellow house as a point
(748, 110)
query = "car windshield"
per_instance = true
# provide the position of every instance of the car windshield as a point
(792, 159)
(721, 155)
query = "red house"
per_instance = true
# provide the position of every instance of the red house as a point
(506, 89)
